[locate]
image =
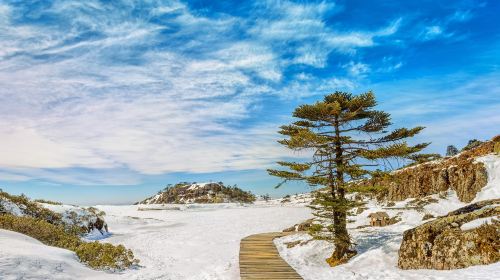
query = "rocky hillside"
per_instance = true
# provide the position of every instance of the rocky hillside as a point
(200, 193)
(461, 173)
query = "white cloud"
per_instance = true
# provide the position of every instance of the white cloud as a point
(431, 32)
(304, 25)
(356, 68)
(154, 97)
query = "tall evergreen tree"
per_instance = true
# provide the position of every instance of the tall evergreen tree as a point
(347, 138)
(451, 151)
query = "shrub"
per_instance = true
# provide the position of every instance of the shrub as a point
(473, 143)
(105, 255)
(47, 233)
(96, 255)
(47, 201)
(32, 209)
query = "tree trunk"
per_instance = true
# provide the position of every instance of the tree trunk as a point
(342, 242)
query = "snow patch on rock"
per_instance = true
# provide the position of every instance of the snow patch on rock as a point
(492, 188)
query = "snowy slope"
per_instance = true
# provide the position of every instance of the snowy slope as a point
(22, 257)
(378, 246)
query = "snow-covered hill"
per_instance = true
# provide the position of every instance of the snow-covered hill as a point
(200, 193)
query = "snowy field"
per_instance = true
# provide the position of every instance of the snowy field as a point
(196, 242)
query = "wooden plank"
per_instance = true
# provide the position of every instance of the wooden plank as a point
(259, 258)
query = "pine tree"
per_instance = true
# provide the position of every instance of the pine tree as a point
(347, 138)
(472, 144)
(451, 151)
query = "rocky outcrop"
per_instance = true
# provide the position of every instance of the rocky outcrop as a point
(200, 193)
(73, 218)
(461, 173)
(304, 226)
(442, 244)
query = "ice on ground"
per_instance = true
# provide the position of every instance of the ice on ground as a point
(22, 257)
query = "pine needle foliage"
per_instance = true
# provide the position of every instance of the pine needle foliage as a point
(348, 138)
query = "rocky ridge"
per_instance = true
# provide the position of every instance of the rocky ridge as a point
(461, 173)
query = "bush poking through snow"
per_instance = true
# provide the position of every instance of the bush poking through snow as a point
(427, 216)
(48, 201)
(96, 255)
(105, 256)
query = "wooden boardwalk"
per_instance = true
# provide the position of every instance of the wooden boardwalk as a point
(259, 258)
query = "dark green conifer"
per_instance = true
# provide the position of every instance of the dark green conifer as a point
(347, 138)
(451, 151)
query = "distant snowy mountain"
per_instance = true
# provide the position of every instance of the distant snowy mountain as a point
(200, 193)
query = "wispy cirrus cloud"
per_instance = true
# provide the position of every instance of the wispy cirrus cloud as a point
(168, 90)
(158, 86)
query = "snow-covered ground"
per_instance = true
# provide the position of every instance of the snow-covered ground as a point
(196, 242)
(22, 257)
(378, 246)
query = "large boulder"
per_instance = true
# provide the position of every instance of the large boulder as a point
(450, 242)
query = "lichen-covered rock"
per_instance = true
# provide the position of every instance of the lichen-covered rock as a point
(461, 173)
(442, 244)
(304, 226)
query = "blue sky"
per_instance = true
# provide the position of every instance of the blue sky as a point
(109, 101)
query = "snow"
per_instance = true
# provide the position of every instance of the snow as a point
(197, 186)
(301, 199)
(377, 259)
(22, 257)
(492, 189)
(476, 223)
(95, 235)
(200, 241)
(378, 246)
(11, 207)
